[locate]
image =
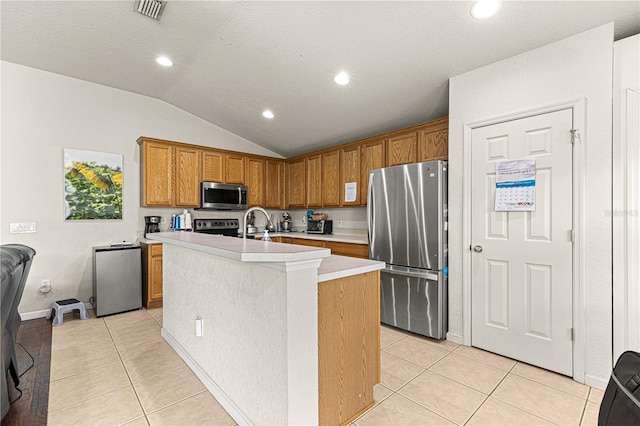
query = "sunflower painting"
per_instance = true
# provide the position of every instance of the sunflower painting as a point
(92, 185)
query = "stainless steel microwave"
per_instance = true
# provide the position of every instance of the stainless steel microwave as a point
(222, 196)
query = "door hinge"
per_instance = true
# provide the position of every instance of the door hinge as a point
(572, 233)
(571, 334)
(575, 135)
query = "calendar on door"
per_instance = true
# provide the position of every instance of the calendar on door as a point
(515, 186)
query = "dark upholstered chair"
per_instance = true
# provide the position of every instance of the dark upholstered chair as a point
(15, 261)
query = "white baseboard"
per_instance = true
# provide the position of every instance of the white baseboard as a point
(596, 382)
(43, 313)
(234, 411)
(455, 338)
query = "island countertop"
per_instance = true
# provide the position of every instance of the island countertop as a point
(240, 249)
(334, 267)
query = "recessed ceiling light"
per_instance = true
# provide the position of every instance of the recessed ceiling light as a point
(483, 9)
(267, 114)
(341, 78)
(163, 60)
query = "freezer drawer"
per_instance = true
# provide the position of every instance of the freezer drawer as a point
(414, 300)
(117, 279)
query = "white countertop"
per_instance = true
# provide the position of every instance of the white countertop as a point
(239, 249)
(334, 267)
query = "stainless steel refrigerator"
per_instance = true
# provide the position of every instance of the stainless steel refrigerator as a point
(407, 220)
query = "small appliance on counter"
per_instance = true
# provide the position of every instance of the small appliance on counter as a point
(286, 223)
(320, 226)
(151, 224)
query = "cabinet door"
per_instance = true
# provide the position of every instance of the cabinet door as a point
(314, 181)
(187, 167)
(212, 166)
(274, 184)
(330, 182)
(157, 173)
(255, 181)
(153, 275)
(296, 183)
(373, 157)
(234, 168)
(350, 174)
(401, 149)
(433, 142)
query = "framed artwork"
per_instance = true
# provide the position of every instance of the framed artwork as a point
(92, 185)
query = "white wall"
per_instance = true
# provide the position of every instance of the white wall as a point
(626, 195)
(43, 113)
(574, 68)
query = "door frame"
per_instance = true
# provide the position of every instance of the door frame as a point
(579, 112)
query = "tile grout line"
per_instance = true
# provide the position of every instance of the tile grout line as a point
(144, 413)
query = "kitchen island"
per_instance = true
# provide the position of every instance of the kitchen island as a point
(290, 334)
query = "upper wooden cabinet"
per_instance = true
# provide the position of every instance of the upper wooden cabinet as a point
(350, 175)
(255, 181)
(314, 181)
(274, 184)
(401, 149)
(433, 141)
(372, 157)
(330, 179)
(212, 166)
(296, 183)
(234, 168)
(187, 182)
(156, 173)
(170, 174)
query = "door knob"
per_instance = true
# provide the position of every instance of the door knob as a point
(477, 249)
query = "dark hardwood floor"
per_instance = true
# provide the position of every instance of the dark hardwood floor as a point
(31, 408)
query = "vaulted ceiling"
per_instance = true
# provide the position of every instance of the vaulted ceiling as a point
(233, 59)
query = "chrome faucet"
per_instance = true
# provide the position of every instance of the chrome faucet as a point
(246, 214)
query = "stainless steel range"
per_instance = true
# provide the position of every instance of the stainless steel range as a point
(227, 227)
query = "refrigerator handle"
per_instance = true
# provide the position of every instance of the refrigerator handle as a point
(370, 210)
(425, 275)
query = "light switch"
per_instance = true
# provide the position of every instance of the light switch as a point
(22, 228)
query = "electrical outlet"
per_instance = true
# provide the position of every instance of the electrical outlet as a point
(304, 219)
(199, 330)
(45, 286)
(339, 224)
(163, 220)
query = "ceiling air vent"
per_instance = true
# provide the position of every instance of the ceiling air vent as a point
(151, 8)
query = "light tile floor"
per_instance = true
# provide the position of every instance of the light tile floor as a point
(118, 370)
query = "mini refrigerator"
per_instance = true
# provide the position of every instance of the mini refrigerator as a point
(117, 279)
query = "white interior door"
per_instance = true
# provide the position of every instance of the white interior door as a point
(521, 280)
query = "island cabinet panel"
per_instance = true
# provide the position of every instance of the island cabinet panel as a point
(349, 346)
(350, 174)
(296, 183)
(255, 181)
(401, 149)
(234, 169)
(372, 157)
(187, 169)
(314, 181)
(212, 169)
(330, 179)
(157, 174)
(274, 184)
(348, 249)
(433, 141)
(151, 275)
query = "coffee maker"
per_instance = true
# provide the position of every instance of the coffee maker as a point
(151, 224)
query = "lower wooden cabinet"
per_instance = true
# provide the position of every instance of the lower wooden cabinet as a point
(348, 346)
(151, 275)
